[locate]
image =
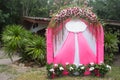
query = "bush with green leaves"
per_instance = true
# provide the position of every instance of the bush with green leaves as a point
(36, 49)
(30, 47)
(111, 45)
(14, 38)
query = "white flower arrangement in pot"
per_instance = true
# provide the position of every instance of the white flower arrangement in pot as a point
(81, 69)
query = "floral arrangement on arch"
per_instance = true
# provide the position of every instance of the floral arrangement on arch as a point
(58, 70)
(75, 12)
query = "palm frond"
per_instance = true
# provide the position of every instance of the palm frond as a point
(14, 38)
(36, 48)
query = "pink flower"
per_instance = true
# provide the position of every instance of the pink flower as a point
(66, 63)
(56, 65)
(65, 72)
(75, 11)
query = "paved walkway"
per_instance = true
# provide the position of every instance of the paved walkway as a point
(5, 60)
(8, 61)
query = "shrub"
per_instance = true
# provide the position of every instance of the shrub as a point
(36, 49)
(14, 38)
(18, 40)
(111, 46)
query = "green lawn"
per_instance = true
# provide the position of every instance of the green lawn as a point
(114, 74)
(40, 74)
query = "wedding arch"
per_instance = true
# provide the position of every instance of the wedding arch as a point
(75, 36)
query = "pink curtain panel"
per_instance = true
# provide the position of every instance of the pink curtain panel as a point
(82, 47)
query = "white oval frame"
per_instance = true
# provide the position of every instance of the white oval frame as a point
(75, 25)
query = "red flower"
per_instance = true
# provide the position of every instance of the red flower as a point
(98, 74)
(53, 76)
(65, 72)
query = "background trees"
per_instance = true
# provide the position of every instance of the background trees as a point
(106, 9)
(11, 11)
(109, 9)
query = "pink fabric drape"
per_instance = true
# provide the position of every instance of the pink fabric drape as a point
(49, 44)
(67, 52)
(85, 53)
(100, 44)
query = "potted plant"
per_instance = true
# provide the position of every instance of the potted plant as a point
(103, 69)
(81, 69)
(92, 68)
(58, 69)
(50, 71)
(71, 68)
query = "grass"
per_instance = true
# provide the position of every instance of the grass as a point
(2, 54)
(7, 72)
(3, 68)
(41, 75)
(7, 69)
(115, 73)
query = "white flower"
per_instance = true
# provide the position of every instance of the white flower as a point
(51, 70)
(61, 68)
(71, 68)
(108, 67)
(82, 67)
(55, 65)
(80, 64)
(75, 64)
(92, 68)
(92, 63)
(66, 63)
